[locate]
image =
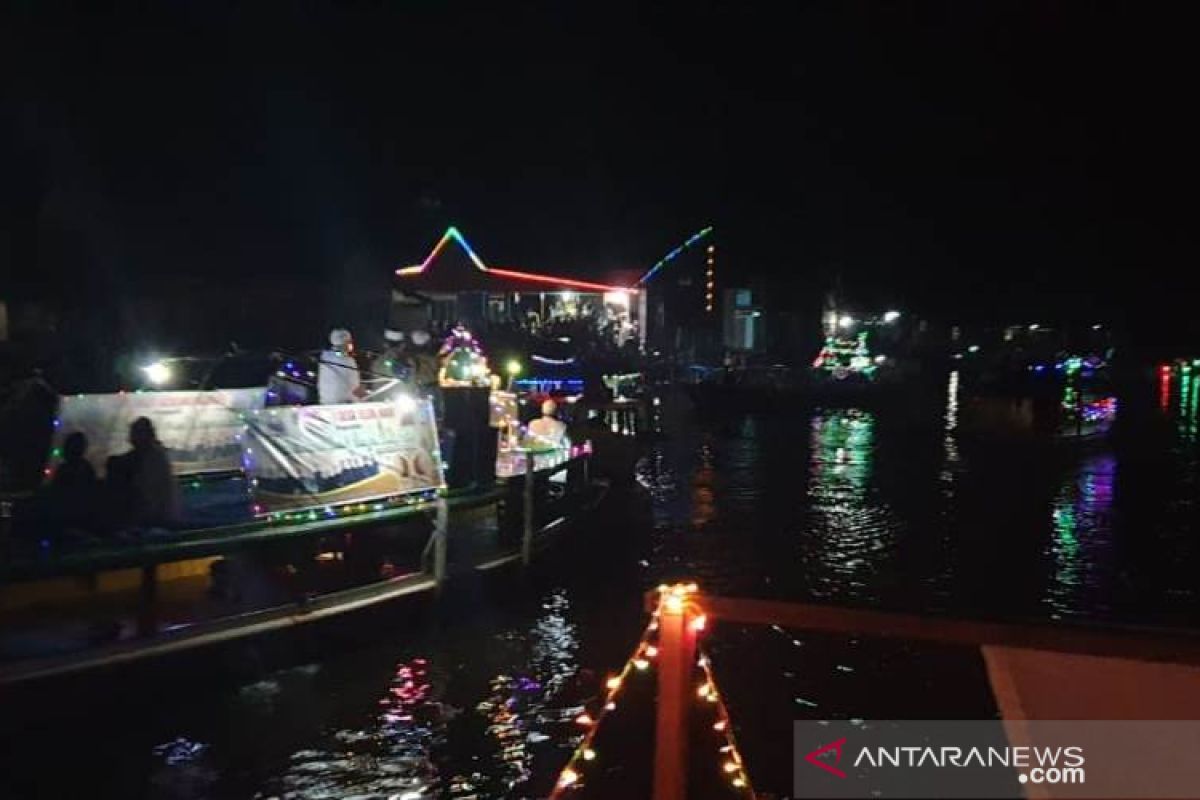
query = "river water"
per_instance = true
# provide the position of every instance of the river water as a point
(889, 508)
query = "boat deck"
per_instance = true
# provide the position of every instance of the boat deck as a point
(120, 603)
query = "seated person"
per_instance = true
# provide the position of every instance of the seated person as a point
(142, 486)
(72, 493)
(74, 473)
(547, 428)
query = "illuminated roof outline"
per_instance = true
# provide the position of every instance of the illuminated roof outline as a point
(452, 233)
(691, 240)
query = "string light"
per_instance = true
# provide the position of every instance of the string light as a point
(452, 233)
(691, 240)
(570, 777)
(709, 274)
(732, 765)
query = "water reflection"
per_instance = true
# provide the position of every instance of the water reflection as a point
(703, 486)
(521, 707)
(390, 757)
(1188, 391)
(1080, 550)
(419, 745)
(849, 533)
(950, 437)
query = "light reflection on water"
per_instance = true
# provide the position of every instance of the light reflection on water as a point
(403, 750)
(850, 532)
(1081, 548)
(843, 505)
(390, 756)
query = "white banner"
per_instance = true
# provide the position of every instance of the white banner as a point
(201, 430)
(312, 456)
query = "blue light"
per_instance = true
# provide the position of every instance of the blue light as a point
(662, 262)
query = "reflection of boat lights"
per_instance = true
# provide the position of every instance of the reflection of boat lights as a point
(1100, 410)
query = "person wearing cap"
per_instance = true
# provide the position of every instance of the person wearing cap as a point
(394, 361)
(425, 363)
(338, 380)
(547, 427)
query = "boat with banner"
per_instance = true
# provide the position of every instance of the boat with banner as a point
(286, 510)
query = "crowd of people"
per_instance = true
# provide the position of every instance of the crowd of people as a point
(409, 358)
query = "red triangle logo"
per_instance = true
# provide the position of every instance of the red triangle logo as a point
(835, 747)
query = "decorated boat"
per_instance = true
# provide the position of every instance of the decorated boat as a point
(283, 509)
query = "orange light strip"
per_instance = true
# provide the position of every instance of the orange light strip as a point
(529, 276)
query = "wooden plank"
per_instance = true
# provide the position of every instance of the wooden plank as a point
(228, 539)
(1144, 644)
(1031, 684)
(676, 659)
(218, 631)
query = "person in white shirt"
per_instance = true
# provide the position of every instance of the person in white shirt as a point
(338, 380)
(547, 428)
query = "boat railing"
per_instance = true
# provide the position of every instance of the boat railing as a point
(1025, 665)
(540, 513)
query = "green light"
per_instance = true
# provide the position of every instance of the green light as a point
(513, 367)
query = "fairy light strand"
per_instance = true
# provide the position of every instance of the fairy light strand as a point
(639, 661)
(733, 765)
(673, 599)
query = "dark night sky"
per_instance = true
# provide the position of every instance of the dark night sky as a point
(964, 159)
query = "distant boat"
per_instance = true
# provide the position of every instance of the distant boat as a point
(1067, 400)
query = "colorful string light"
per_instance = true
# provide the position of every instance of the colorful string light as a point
(691, 240)
(452, 233)
(570, 777)
(672, 599)
(733, 766)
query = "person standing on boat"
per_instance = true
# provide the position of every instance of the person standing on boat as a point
(395, 361)
(425, 364)
(338, 380)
